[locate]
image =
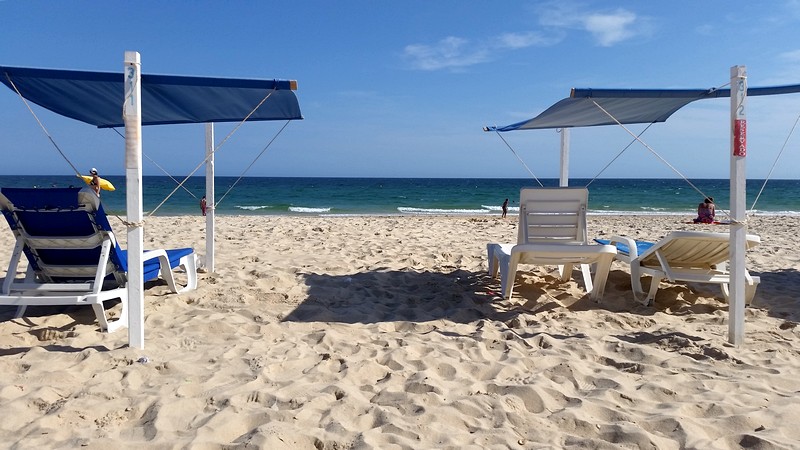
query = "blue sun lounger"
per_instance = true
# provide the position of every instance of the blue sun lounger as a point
(72, 254)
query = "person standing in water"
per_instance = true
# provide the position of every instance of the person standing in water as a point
(505, 208)
(203, 205)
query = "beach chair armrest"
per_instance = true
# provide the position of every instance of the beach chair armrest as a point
(633, 251)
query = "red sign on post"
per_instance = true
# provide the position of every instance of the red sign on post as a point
(740, 137)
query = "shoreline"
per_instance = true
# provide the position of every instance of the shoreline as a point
(376, 332)
(687, 215)
(460, 196)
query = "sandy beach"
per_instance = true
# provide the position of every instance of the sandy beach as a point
(386, 332)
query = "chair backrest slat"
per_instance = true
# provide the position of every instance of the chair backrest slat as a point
(63, 230)
(693, 249)
(553, 215)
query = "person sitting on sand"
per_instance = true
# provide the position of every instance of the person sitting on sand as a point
(706, 211)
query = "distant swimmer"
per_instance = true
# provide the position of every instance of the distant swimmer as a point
(95, 183)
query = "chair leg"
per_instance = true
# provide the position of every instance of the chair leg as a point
(100, 313)
(587, 277)
(122, 321)
(602, 268)
(651, 295)
(507, 278)
(20, 311)
(116, 325)
(490, 253)
(565, 272)
(189, 263)
(111, 326)
(749, 290)
(636, 281)
(636, 286)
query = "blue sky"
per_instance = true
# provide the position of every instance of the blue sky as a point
(403, 89)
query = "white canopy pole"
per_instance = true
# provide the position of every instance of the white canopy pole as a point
(738, 228)
(563, 179)
(210, 199)
(132, 115)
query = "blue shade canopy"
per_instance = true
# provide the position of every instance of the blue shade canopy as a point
(626, 106)
(97, 97)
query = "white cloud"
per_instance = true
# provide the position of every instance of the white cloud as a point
(792, 56)
(785, 69)
(450, 52)
(454, 52)
(610, 29)
(515, 41)
(705, 29)
(607, 28)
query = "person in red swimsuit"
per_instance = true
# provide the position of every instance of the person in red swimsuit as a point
(706, 211)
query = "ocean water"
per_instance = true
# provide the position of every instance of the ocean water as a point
(419, 196)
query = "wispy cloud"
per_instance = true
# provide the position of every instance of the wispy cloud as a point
(785, 68)
(791, 56)
(607, 27)
(514, 41)
(451, 52)
(454, 52)
(705, 29)
(556, 19)
(610, 29)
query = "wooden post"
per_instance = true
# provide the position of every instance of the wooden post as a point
(738, 227)
(210, 199)
(132, 115)
(563, 179)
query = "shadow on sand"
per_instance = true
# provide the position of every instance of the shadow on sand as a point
(400, 295)
(463, 297)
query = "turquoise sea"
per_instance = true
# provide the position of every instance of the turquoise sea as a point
(418, 196)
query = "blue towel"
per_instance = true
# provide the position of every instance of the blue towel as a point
(641, 246)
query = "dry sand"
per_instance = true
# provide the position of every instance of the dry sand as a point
(385, 332)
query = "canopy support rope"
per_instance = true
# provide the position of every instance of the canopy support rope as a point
(636, 138)
(774, 164)
(618, 155)
(130, 224)
(251, 164)
(164, 171)
(520, 159)
(77, 172)
(180, 185)
(598, 173)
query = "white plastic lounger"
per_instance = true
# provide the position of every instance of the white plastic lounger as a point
(73, 256)
(552, 231)
(690, 256)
